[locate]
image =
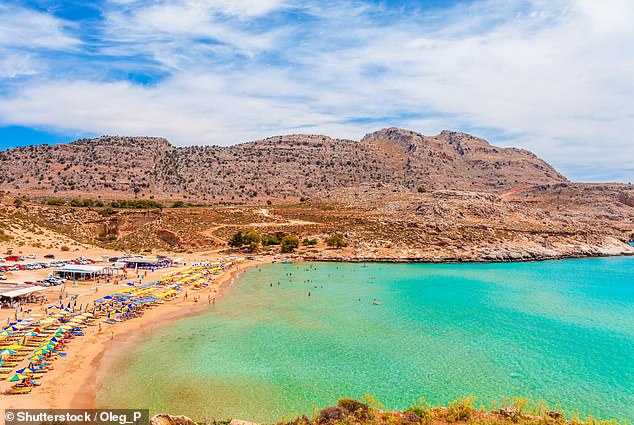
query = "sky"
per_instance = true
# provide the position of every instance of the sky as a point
(552, 76)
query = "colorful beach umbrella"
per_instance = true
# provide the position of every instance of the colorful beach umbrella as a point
(18, 377)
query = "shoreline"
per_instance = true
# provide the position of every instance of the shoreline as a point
(102, 363)
(465, 260)
(74, 381)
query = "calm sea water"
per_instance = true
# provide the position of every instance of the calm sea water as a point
(559, 331)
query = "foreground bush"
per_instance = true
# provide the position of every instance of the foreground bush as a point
(462, 411)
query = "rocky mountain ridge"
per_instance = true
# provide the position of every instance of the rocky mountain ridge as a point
(281, 167)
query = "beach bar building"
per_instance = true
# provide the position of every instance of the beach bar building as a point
(13, 295)
(83, 272)
(147, 263)
(19, 291)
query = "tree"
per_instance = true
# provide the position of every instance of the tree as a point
(236, 240)
(336, 241)
(421, 189)
(270, 240)
(252, 237)
(289, 243)
(178, 204)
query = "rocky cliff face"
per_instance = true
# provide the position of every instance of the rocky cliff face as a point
(281, 167)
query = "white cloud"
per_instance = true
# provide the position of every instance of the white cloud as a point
(15, 64)
(553, 77)
(26, 28)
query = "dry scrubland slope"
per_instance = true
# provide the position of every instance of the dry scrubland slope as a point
(480, 202)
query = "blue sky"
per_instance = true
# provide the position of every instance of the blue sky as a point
(552, 76)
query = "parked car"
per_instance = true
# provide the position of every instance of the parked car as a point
(31, 256)
(3, 277)
(49, 256)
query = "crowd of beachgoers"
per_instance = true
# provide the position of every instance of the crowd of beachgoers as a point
(31, 346)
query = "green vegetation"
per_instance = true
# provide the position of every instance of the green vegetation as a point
(463, 411)
(65, 248)
(336, 241)
(125, 203)
(108, 211)
(309, 242)
(237, 240)
(289, 243)
(254, 239)
(271, 240)
(421, 189)
(136, 204)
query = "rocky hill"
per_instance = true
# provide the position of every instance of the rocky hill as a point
(394, 195)
(282, 167)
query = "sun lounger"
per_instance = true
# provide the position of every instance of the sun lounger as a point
(23, 390)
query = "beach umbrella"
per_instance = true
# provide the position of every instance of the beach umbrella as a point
(24, 370)
(6, 351)
(36, 357)
(18, 377)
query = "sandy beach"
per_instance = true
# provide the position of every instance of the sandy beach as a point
(75, 379)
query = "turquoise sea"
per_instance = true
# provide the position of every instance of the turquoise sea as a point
(559, 331)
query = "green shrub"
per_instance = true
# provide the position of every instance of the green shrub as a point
(460, 410)
(65, 248)
(270, 240)
(289, 243)
(252, 237)
(336, 241)
(108, 211)
(309, 242)
(237, 240)
(423, 410)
